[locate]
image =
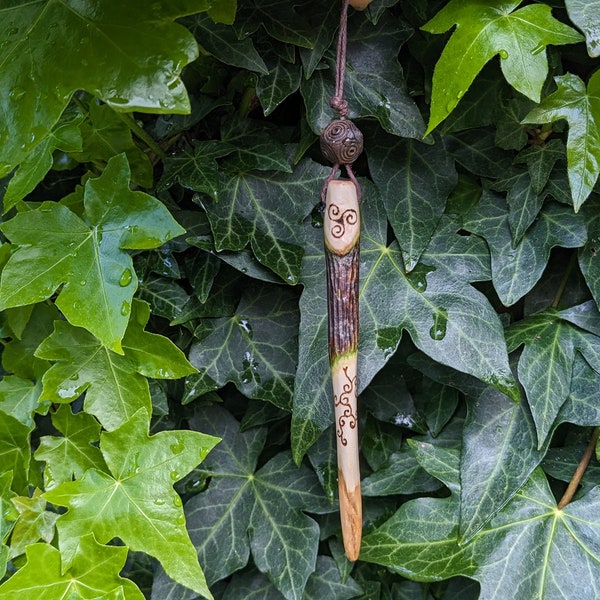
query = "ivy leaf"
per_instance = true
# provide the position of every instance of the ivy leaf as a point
(146, 54)
(519, 554)
(259, 512)
(70, 456)
(116, 386)
(222, 42)
(195, 170)
(492, 472)
(105, 134)
(255, 348)
(516, 269)
(546, 363)
(15, 450)
(581, 109)
(21, 399)
(440, 311)
(94, 573)
(485, 29)
(414, 189)
(540, 161)
(584, 14)
(33, 524)
(90, 260)
(374, 85)
(136, 501)
(65, 137)
(266, 209)
(282, 80)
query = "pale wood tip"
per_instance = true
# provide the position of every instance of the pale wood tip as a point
(351, 518)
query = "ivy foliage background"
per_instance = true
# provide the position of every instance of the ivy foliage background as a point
(165, 407)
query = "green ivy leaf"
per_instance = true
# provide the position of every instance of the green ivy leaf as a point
(260, 512)
(134, 66)
(136, 501)
(34, 523)
(255, 348)
(487, 29)
(581, 109)
(21, 399)
(222, 42)
(266, 209)
(516, 269)
(546, 363)
(106, 134)
(70, 456)
(518, 555)
(94, 573)
(414, 180)
(195, 170)
(90, 260)
(15, 450)
(585, 14)
(115, 385)
(492, 472)
(65, 137)
(540, 161)
(281, 80)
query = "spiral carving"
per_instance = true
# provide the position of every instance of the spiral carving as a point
(341, 142)
(341, 219)
(347, 416)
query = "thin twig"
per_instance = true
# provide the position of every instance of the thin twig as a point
(141, 133)
(579, 472)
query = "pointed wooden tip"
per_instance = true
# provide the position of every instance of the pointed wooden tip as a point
(351, 517)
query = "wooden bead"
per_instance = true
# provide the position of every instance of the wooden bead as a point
(341, 142)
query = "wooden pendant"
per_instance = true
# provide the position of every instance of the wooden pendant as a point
(341, 227)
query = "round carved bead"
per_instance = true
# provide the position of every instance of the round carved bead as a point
(341, 142)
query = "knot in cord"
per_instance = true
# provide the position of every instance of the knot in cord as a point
(340, 105)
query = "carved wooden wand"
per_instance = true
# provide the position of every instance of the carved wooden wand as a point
(341, 144)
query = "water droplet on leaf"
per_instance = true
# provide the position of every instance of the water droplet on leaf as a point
(440, 321)
(126, 278)
(177, 501)
(178, 447)
(503, 54)
(125, 308)
(159, 501)
(175, 475)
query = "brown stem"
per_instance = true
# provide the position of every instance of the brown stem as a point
(579, 472)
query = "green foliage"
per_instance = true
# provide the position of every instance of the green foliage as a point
(165, 409)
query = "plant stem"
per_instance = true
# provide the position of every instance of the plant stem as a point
(579, 472)
(141, 134)
(563, 283)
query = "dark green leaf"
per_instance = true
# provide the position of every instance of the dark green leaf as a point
(267, 209)
(21, 399)
(221, 41)
(414, 180)
(282, 80)
(584, 14)
(15, 452)
(540, 161)
(516, 269)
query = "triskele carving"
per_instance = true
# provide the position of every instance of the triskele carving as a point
(345, 399)
(341, 142)
(340, 219)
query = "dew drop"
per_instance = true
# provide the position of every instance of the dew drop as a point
(181, 519)
(159, 501)
(440, 321)
(245, 326)
(177, 448)
(460, 94)
(175, 475)
(177, 501)
(126, 278)
(503, 54)
(125, 308)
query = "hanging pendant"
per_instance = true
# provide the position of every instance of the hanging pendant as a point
(341, 226)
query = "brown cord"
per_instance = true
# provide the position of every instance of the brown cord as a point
(338, 103)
